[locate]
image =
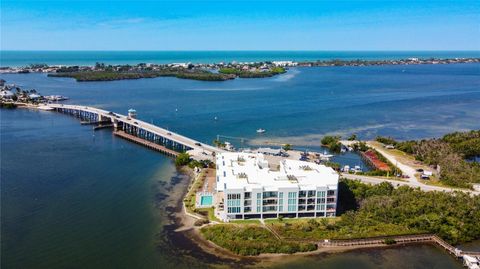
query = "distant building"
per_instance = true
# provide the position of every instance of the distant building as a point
(284, 63)
(6, 94)
(253, 188)
(34, 96)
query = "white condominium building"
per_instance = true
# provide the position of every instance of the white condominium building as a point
(252, 188)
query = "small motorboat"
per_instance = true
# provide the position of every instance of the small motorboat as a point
(261, 131)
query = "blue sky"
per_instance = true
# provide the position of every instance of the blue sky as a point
(246, 25)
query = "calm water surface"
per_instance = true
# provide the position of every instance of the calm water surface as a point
(71, 198)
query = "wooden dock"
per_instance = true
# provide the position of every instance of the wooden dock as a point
(422, 238)
(146, 143)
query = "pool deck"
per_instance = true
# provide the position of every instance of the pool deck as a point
(208, 187)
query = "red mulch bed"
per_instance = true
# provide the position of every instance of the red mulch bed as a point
(372, 157)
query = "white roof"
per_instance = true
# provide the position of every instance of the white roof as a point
(6, 93)
(241, 170)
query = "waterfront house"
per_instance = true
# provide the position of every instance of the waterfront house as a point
(34, 96)
(6, 94)
(252, 188)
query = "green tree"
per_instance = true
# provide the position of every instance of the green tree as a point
(182, 159)
(352, 137)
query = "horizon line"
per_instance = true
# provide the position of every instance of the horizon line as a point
(114, 50)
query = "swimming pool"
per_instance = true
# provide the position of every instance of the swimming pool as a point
(206, 200)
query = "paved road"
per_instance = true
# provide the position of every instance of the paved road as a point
(396, 183)
(406, 169)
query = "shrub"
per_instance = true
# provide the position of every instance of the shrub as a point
(182, 159)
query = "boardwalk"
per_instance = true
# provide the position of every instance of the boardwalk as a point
(141, 132)
(422, 238)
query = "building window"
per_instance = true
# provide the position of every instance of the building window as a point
(233, 202)
(320, 200)
(302, 194)
(247, 209)
(320, 207)
(259, 202)
(270, 194)
(233, 210)
(311, 193)
(331, 193)
(292, 202)
(269, 208)
(280, 201)
(269, 202)
(330, 200)
(320, 194)
(248, 195)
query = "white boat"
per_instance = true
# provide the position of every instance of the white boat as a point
(261, 131)
(324, 156)
(471, 262)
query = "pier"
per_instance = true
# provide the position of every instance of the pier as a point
(140, 132)
(422, 238)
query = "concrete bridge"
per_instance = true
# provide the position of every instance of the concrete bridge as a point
(141, 132)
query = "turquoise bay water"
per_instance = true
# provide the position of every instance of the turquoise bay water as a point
(23, 58)
(71, 198)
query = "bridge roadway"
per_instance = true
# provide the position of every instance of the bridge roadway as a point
(196, 149)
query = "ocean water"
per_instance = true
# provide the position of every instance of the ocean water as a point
(23, 58)
(74, 198)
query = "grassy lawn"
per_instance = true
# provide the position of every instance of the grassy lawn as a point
(246, 221)
(208, 212)
(190, 197)
(251, 239)
(320, 231)
(300, 220)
